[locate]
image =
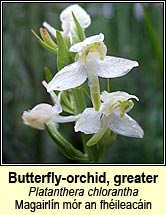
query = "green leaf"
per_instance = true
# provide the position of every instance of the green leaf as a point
(67, 41)
(79, 30)
(48, 74)
(95, 152)
(44, 44)
(63, 58)
(66, 148)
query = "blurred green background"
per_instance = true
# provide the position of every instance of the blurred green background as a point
(129, 32)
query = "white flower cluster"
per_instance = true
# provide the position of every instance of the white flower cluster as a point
(109, 109)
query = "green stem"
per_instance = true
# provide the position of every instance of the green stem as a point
(80, 104)
(66, 148)
(108, 85)
(95, 152)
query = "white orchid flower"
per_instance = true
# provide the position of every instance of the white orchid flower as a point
(68, 25)
(45, 113)
(92, 62)
(39, 115)
(113, 115)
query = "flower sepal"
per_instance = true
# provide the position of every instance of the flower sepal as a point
(66, 148)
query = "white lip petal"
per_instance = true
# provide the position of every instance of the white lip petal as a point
(69, 77)
(125, 126)
(88, 122)
(112, 67)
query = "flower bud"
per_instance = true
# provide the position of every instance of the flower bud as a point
(38, 116)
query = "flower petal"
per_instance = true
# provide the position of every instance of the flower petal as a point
(88, 122)
(63, 119)
(79, 47)
(79, 12)
(39, 115)
(55, 99)
(116, 96)
(116, 100)
(50, 28)
(69, 77)
(112, 67)
(125, 126)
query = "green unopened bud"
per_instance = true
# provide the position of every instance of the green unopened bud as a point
(47, 38)
(46, 45)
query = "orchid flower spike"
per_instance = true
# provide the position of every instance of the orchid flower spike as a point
(112, 115)
(91, 63)
(68, 25)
